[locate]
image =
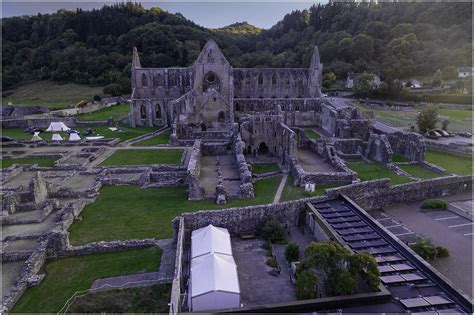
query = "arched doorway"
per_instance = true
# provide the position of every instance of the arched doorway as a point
(203, 127)
(263, 148)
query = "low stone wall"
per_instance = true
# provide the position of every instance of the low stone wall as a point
(379, 194)
(175, 301)
(105, 247)
(246, 185)
(433, 145)
(193, 172)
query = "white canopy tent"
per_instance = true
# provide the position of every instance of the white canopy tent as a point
(36, 137)
(74, 137)
(56, 137)
(210, 239)
(57, 126)
(214, 283)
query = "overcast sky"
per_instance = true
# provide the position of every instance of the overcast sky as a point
(210, 14)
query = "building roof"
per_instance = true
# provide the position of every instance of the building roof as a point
(214, 272)
(210, 239)
(466, 69)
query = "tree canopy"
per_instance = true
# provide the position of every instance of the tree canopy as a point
(94, 47)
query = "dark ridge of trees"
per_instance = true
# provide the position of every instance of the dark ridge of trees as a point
(395, 40)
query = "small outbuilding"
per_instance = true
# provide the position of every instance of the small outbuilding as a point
(57, 126)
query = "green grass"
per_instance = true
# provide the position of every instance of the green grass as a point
(68, 275)
(19, 134)
(151, 299)
(162, 138)
(292, 192)
(312, 134)
(47, 162)
(419, 171)
(262, 168)
(51, 94)
(397, 157)
(144, 157)
(370, 171)
(452, 163)
(116, 112)
(130, 212)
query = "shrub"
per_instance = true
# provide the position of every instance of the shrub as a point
(272, 229)
(97, 98)
(341, 282)
(441, 252)
(272, 262)
(292, 252)
(435, 204)
(424, 248)
(305, 285)
(113, 89)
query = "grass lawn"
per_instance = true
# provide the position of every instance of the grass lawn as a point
(19, 134)
(51, 94)
(452, 163)
(262, 168)
(397, 157)
(130, 212)
(151, 299)
(144, 157)
(116, 112)
(47, 162)
(370, 171)
(68, 275)
(162, 138)
(312, 134)
(292, 192)
(419, 171)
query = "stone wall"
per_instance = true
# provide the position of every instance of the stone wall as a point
(175, 301)
(379, 149)
(195, 190)
(433, 145)
(408, 144)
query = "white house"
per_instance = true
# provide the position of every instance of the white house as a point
(353, 76)
(464, 72)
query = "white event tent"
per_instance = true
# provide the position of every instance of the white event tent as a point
(36, 137)
(214, 281)
(210, 239)
(57, 126)
(74, 137)
(56, 137)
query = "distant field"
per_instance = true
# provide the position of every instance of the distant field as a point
(115, 112)
(459, 119)
(50, 94)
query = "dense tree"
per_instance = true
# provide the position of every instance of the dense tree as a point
(427, 118)
(395, 40)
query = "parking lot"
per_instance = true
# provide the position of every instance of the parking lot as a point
(452, 229)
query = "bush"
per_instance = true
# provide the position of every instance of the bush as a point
(305, 285)
(435, 204)
(341, 282)
(292, 252)
(97, 98)
(272, 229)
(441, 252)
(113, 89)
(272, 262)
(424, 248)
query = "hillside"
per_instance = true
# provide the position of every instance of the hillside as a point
(396, 40)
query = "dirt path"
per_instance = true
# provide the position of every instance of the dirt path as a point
(280, 189)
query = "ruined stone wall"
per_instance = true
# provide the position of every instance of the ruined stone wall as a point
(408, 144)
(433, 145)
(351, 146)
(270, 83)
(379, 149)
(195, 190)
(246, 185)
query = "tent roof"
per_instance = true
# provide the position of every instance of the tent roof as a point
(58, 126)
(56, 137)
(210, 239)
(214, 272)
(74, 136)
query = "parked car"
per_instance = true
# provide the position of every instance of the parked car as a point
(6, 139)
(442, 132)
(431, 134)
(465, 134)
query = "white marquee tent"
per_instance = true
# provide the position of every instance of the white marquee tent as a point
(36, 137)
(57, 126)
(214, 283)
(56, 137)
(74, 137)
(210, 239)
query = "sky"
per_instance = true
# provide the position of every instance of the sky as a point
(211, 14)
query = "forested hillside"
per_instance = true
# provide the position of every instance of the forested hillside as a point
(94, 47)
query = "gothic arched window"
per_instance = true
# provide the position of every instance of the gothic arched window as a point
(144, 80)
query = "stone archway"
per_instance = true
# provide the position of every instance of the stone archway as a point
(263, 148)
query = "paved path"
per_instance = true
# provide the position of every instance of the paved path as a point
(280, 189)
